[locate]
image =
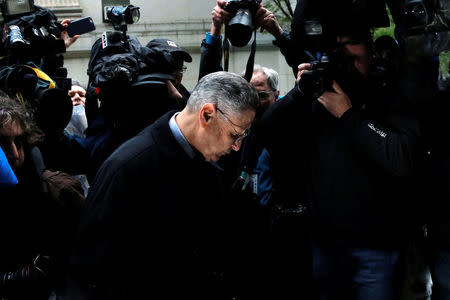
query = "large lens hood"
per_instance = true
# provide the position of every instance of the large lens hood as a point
(239, 29)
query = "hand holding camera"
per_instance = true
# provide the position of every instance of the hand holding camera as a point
(337, 103)
(316, 76)
(266, 20)
(240, 27)
(302, 68)
(219, 17)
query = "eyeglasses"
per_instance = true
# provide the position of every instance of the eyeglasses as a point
(237, 137)
(264, 94)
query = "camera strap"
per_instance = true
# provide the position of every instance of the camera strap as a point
(226, 52)
(250, 61)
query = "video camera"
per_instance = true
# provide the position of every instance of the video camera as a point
(239, 29)
(115, 51)
(30, 69)
(123, 75)
(120, 16)
(38, 92)
(30, 31)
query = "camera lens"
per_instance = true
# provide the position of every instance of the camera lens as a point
(415, 14)
(16, 40)
(240, 28)
(135, 15)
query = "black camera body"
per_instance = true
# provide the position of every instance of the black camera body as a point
(319, 77)
(239, 29)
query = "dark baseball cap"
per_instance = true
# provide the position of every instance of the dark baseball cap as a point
(170, 46)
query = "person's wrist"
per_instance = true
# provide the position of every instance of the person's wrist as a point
(212, 39)
(278, 33)
(216, 30)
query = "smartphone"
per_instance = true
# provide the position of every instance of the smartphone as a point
(80, 26)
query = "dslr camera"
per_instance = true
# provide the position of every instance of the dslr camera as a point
(239, 29)
(319, 77)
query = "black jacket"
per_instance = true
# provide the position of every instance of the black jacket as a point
(153, 221)
(354, 171)
(210, 59)
(438, 174)
(36, 232)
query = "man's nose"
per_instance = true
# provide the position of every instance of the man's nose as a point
(76, 97)
(236, 145)
(12, 151)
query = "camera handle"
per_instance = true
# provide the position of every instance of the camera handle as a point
(250, 61)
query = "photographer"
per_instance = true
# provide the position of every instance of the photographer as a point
(211, 51)
(36, 218)
(360, 148)
(179, 56)
(437, 182)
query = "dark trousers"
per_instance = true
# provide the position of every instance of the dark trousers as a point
(349, 273)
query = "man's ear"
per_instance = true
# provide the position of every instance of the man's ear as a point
(206, 114)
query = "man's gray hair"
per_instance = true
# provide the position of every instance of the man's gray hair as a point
(272, 76)
(12, 111)
(231, 92)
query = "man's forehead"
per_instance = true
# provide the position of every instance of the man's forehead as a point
(77, 88)
(258, 78)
